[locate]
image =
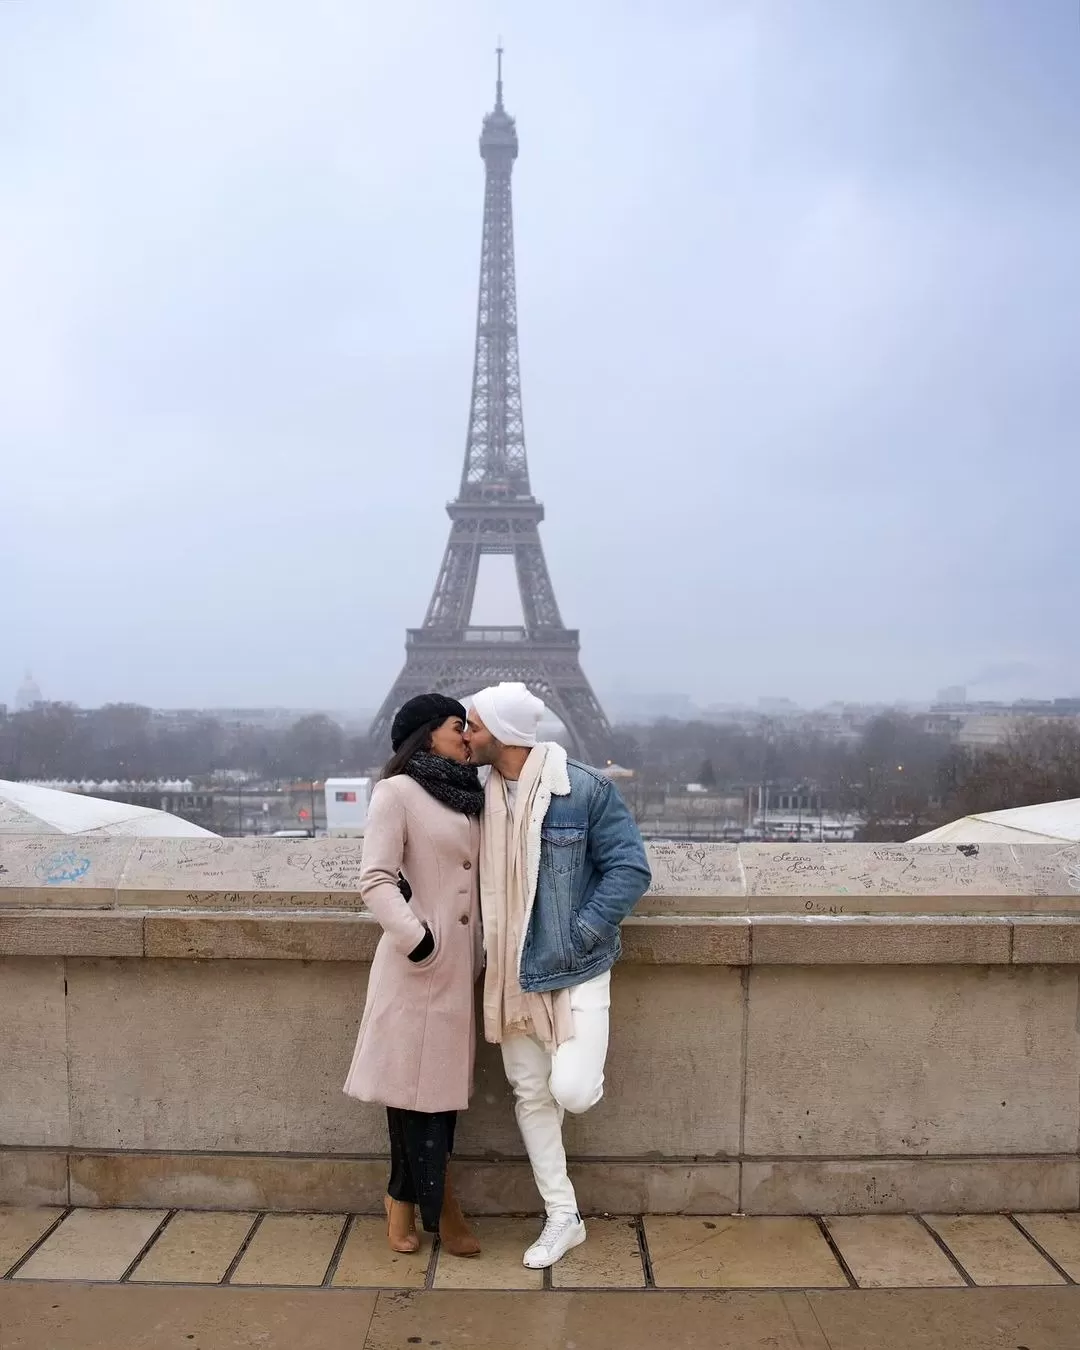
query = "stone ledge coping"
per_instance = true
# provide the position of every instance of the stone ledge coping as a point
(292, 1182)
(698, 940)
(104, 872)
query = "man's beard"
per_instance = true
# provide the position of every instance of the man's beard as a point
(486, 755)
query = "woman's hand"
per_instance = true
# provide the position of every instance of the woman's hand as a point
(424, 947)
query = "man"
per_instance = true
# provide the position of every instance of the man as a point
(561, 865)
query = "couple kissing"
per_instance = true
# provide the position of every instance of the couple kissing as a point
(524, 879)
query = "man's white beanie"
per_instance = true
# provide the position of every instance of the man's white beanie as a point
(510, 713)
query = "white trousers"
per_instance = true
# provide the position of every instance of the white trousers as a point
(545, 1085)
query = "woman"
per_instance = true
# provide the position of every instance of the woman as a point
(420, 879)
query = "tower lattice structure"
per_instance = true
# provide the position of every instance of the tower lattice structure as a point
(495, 512)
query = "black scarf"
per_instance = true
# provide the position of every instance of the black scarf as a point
(455, 785)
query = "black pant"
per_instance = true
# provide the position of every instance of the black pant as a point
(420, 1148)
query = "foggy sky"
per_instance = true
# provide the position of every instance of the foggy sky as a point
(799, 298)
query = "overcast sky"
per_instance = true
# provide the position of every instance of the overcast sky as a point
(799, 294)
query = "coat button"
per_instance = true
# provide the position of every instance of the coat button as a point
(467, 865)
(464, 919)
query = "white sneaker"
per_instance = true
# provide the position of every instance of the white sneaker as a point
(561, 1234)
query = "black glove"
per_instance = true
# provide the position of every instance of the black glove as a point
(424, 947)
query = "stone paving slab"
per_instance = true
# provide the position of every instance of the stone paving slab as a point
(195, 1247)
(590, 1321)
(290, 1249)
(949, 1319)
(167, 1317)
(992, 1250)
(503, 1242)
(1057, 1234)
(609, 1259)
(740, 1253)
(368, 1263)
(20, 1228)
(892, 1251)
(93, 1244)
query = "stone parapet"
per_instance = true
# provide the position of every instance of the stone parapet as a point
(898, 1031)
(321, 875)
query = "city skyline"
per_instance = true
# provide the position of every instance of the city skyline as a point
(626, 705)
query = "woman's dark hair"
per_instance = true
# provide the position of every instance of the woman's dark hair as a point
(420, 739)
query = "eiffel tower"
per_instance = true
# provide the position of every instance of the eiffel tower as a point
(496, 513)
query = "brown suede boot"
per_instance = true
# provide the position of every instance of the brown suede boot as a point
(455, 1235)
(401, 1234)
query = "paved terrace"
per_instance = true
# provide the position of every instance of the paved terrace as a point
(152, 1280)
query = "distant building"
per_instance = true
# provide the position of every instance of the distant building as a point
(624, 706)
(834, 722)
(259, 719)
(28, 694)
(982, 724)
(777, 707)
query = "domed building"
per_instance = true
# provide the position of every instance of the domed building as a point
(27, 694)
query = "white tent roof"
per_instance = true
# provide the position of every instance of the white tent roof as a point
(25, 809)
(1051, 822)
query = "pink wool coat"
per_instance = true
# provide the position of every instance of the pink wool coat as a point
(417, 1039)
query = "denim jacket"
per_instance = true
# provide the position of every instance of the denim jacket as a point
(592, 872)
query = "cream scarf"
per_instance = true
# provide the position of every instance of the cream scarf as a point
(509, 870)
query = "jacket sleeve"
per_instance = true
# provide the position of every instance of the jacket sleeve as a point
(618, 854)
(384, 847)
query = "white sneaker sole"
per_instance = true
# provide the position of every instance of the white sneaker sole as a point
(546, 1265)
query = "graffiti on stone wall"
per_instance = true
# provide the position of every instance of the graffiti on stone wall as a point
(694, 869)
(62, 868)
